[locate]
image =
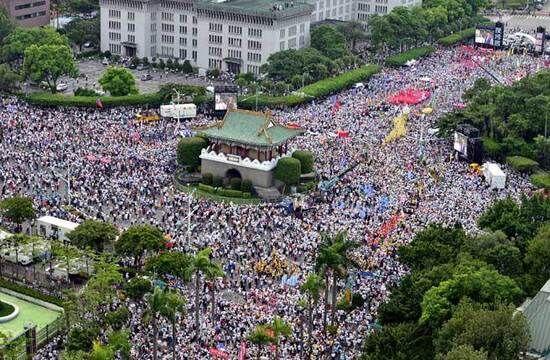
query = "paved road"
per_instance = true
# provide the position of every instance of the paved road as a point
(526, 22)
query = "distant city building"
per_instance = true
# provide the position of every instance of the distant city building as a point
(236, 36)
(28, 13)
(233, 35)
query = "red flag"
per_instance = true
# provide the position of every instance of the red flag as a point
(336, 106)
(98, 103)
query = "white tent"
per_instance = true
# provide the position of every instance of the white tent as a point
(494, 176)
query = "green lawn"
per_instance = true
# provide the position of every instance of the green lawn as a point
(202, 194)
(28, 312)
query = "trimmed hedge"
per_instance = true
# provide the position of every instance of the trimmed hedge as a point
(457, 37)
(318, 89)
(246, 186)
(207, 188)
(412, 54)
(306, 160)
(235, 183)
(189, 150)
(31, 292)
(230, 193)
(288, 170)
(47, 99)
(541, 180)
(522, 164)
(207, 179)
(217, 181)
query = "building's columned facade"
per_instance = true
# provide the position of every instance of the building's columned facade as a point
(236, 36)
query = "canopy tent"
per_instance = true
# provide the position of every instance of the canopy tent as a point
(409, 97)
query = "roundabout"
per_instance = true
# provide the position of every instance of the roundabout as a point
(8, 311)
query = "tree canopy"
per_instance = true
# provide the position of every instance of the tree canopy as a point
(17, 209)
(20, 39)
(329, 41)
(138, 239)
(93, 234)
(48, 63)
(118, 81)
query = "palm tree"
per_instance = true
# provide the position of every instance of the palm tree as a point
(174, 303)
(156, 302)
(261, 336)
(333, 255)
(312, 289)
(279, 328)
(201, 263)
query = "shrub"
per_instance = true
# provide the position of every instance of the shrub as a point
(189, 150)
(522, 164)
(541, 179)
(306, 160)
(492, 148)
(55, 100)
(230, 193)
(246, 186)
(217, 181)
(206, 188)
(137, 287)
(288, 170)
(30, 292)
(457, 37)
(235, 183)
(412, 54)
(313, 91)
(247, 195)
(85, 92)
(207, 178)
(118, 318)
(82, 338)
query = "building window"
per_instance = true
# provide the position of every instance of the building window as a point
(114, 14)
(131, 27)
(282, 45)
(183, 41)
(195, 31)
(153, 27)
(183, 54)
(292, 43)
(302, 41)
(115, 25)
(194, 19)
(23, 6)
(183, 18)
(235, 30)
(153, 39)
(254, 45)
(236, 54)
(166, 51)
(114, 36)
(194, 55)
(292, 31)
(234, 42)
(254, 32)
(153, 16)
(254, 69)
(167, 27)
(131, 16)
(214, 39)
(115, 48)
(167, 39)
(282, 34)
(153, 51)
(183, 30)
(131, 38)
(194, 42)
(214, 51)
(214, 63)
(165, 16)
(302, 28)
(214, 27)
(254, 57)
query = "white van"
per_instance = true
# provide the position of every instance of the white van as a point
(50, 227)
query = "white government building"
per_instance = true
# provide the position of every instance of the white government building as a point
(232, 35)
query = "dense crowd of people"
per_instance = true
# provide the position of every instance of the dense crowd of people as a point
(101, 164)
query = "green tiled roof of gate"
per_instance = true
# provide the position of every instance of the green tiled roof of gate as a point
(250, 128)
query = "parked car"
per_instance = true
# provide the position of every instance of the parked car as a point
(61, 87)
(146, 77)
(88, 44)
(105, 61)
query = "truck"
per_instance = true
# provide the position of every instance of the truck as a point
(495, 177)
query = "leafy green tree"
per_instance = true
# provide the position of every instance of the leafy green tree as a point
(101, 352)
(463, 352)
(433, 246)
(118, 81)
(312, 289)
(156, 302)
(81, 338)
(483, 286)
(137, 287)
(119, 342)
(79, 31)
(329, 41)
(279, 329)
(502, 333)
(189, 150)
(288, 171)
(8, 78)
(48, 63)
(139, 239)
(20, 39)
(201, 264)
(333, 255)
(283, 65)
(536, 258)
(6, 23)
(168, 263)
(353, 31)
(260, 336)
(174, 305)
(118, 318)
(93, 234)
(17, 209)
(406, 341)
